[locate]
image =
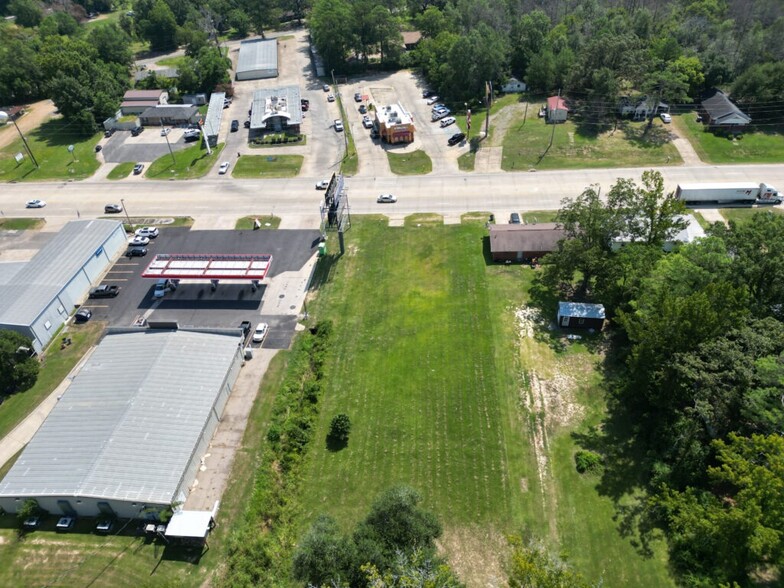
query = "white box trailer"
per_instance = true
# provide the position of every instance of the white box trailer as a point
(741, 192)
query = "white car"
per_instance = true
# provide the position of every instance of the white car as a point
(165, 131)
(322, 185)
(224, 167)
(450, 120)
(138, 241)
(387, 198)
(35, 204)
(366, 122)
(338, 125)
(330, 98)
(439, 115)
(150, 232)
(666, 118)
(432, 100)
(260, 332)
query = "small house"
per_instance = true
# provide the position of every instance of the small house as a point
(137, 101)
(411, 39)
(718, 112)
(169, 115)
(557, 110)
(521, 242)
(689, 234)
(513, 85)
(580, 315)
(641, 108)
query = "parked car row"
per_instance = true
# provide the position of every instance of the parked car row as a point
(66, 523)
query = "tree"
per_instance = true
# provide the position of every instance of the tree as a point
(399, 522)
(528, 38)
(58, 23)
(339, 428)
(541, 72)
(323, 556)
(20, 77)
(240, 22)
(28, 13)
(329, 26)
(112, 44)
(530, 565)
(18, 370)
(414, 570)
(160, 27)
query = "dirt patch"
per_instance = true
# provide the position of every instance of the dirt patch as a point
(35, 114)
(476, 554)
(501, 121)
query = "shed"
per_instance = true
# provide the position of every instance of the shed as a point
(39, 297)
(191, 526)
(557, 110)
(212, 121)
(580, 315)
(172, 114)
(514, 85)
(127, 436)
(137, 101)
(411, 39)
(519, 242)
(719, 112)
(258, 59)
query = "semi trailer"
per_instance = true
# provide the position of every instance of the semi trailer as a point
(736, 192)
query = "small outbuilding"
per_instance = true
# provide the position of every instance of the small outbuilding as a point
(557, 111)
(719, 112)
(520, 242)
(580, 315)
(137, 101)
(411, 39)
(171, 115)
(258, 59)
(514, 85)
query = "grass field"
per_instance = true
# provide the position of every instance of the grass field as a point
(49, 144)
(267, 166)
(192, 162)
(21, 224)
(427, 365)
(267, 222)
(350, 163)
(410, 164)
(121, 171)
(525, 146)
(753, 147)
(538, 216)
(742, 215)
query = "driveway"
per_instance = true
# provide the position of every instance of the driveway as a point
(146, 147)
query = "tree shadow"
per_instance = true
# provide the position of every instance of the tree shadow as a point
(334, 444)
(639, 135)
(57, 132)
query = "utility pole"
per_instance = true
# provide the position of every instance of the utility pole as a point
(174, 161)
(3, 118)
(489, 98)
(552, 135)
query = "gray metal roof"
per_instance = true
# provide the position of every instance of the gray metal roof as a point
(32, 288)
(258, 54)
(126, 427)
(9, 269)
(269, 102)
(581, 310)
(214, 114)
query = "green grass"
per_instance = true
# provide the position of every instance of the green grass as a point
(49, 144)
(743, 215)
(700, 219)
(467, 161)
(55, 366)
(139, 222)
(410, 164)
(263, 166)
(294, 140)
(175, 62)
(267, 222)
(21, 224)
(112, 17)
(192, 162)
(754, 146)
(539, 216)
(430, 377)
(525, 146)
(121, 171)
(350, 164)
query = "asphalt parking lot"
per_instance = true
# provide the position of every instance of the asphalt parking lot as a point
(195, 304)
(146, 147)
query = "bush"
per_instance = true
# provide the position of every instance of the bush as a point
(339, 428)
(587, 461)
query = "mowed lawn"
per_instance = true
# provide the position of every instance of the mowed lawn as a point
(427, 364)
(755, 146)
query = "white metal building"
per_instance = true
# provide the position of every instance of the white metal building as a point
(212, 122)
(39, 298)
(127, 436)
(258, 59)
(276, 109)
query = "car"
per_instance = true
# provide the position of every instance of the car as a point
(432, 100)
(226, 102)
(450, 120)
(192, 133)
(439, 115)
(246, 124)
(112, 209)
(362, 109)
(305, 107)
(137, 169)
(304, 101)
(150, 232)
(235, 125)
(136, 252)
(514, 219)
(163, 286)
(104, 291)
(666, 118)
(260, 332)
(224, 167)
(456, 138)
(428, 93)
(322, 185)
(330, 97)
(366, 122)
(438, 106)
(245, 326)
(325, 87)
(65, 523)
(83, 315)
(357, 97)
(542, 112)
(338, 125)
(35, 204)
(441, 109)
(104, 526)
(31, 522)
(108, 133)
(191, 137)
(165, 131)
(139, 241)
(386, 198)
(136, 131)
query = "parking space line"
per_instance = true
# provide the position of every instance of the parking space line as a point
(116, 279)
(120, 272)
(95, 306)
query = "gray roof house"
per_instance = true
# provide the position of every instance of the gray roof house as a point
(170, 114)
(720, 113)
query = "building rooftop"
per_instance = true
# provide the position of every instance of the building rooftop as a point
(556, 103)
(538, 237)
(168, 110)
(269, 102)
(719, 107)
(24, 295)
(394, 114)
(581, 310)
(128, 424)
(214, 115)
(143, 95)
(257, 54)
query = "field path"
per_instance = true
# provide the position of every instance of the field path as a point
(35, 114)
(490, 154)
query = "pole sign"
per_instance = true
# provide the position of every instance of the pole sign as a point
(19, 157)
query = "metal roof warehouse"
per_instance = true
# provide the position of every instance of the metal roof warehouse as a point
(258, 59)
(127, 436)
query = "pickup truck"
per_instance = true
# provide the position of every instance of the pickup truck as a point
(105, 291)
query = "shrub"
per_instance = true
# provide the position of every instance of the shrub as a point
(587, 461)
(339, 428)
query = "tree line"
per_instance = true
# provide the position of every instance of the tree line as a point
(695, 375)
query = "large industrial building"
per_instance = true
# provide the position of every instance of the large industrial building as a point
(276, 109)
(127, 436)
(39, 297)
(258, 59)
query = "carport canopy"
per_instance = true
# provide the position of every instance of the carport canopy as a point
(190, 524)
(225, 266)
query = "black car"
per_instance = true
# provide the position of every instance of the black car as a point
(108, 133)
(136, 252)
(136, 131)
(245, 326)
(456, 138)
(247, 124)
(235, 125)
(428, 93)
(357, 97)
(83, 315)
(514, 219)
(112, 209)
